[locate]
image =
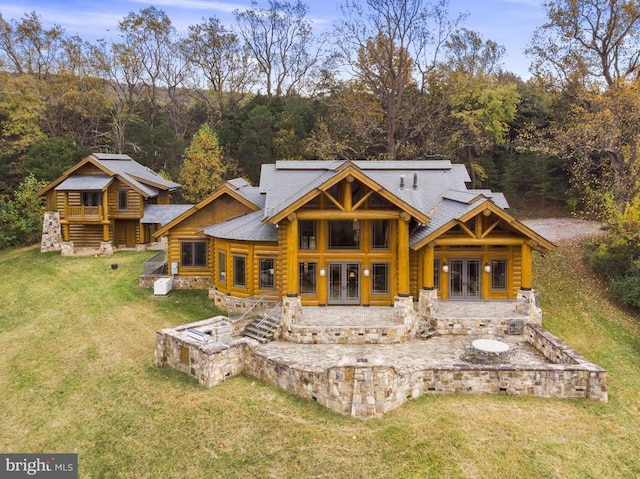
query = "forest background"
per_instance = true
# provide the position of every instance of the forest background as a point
(394, 79)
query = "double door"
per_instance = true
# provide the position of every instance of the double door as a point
(344, 283)
(465, 276)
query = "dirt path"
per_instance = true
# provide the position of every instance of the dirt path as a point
(560, 229)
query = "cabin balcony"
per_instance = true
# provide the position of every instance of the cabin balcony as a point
(84, 214)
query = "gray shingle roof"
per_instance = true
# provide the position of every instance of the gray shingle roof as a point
(250, 193)
(135, 173)
(85, 182)
(245, 227)
(287, 181)
(445, 211)
(163, 214)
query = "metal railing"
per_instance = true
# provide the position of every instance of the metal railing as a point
(272, 318)
(252, 306)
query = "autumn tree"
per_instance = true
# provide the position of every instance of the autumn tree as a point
(589, 39)
(204, 167)
(391, 45)
(223, 72)
(589, 51)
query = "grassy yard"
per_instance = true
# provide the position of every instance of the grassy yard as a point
(76, 348)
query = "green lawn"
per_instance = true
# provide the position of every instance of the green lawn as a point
(76, 349)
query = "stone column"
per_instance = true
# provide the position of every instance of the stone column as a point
(291, 313)
(403, 311)
(427, 302)
(527, 304)
(51, 232)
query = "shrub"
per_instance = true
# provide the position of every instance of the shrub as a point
(21, 215)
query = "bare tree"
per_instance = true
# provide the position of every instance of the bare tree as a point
(222, 69)
(280, 39)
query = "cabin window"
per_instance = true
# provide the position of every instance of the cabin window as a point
(308, 278)
(193, 253)
(499, 274)
(123, 200)
(436, 273)
(267, 273)
(91, 198)
(344, 234)
(380, 278)
(222, 266)
(307, 234)
(240, 271)
(380, 234)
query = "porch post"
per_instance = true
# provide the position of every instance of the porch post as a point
(292, 256)
(403, 255)
(428, 280)
(527, 267)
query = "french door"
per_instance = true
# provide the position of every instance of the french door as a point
(464, 279)
(344, 283)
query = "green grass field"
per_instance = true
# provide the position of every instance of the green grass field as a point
(76, 348)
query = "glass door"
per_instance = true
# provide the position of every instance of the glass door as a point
(464, 279)
(344, 283)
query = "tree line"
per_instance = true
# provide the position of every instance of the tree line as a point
(393, 79)
(405, 80)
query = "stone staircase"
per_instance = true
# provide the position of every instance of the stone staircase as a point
(262, 330)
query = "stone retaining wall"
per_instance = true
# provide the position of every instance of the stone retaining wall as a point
(352, 335)
(366, 390)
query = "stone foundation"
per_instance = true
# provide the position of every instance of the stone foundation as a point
(179, 282)
(67, 248)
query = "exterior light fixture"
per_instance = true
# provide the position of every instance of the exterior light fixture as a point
(487, 268)
(323, 272)
(366, 272)
(445, 268)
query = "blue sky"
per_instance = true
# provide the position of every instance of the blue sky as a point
(508, 22)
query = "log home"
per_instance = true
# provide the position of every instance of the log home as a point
(355, 233)
(101, 202)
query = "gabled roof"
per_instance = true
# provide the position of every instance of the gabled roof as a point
(289, 184)
(237, 188)
(450, 212)
(138, 177)
(162, 214)
(245, 227)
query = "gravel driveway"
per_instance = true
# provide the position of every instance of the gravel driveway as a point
(560, 229)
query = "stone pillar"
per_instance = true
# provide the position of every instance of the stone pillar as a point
(403, 311)
(291, 312)
(106, 248)
(427, 302)
(51, 232)
(527, 304)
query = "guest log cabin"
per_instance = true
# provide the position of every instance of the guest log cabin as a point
(104, 199)
(355, 233)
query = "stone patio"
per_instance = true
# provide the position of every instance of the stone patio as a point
(371, 378)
